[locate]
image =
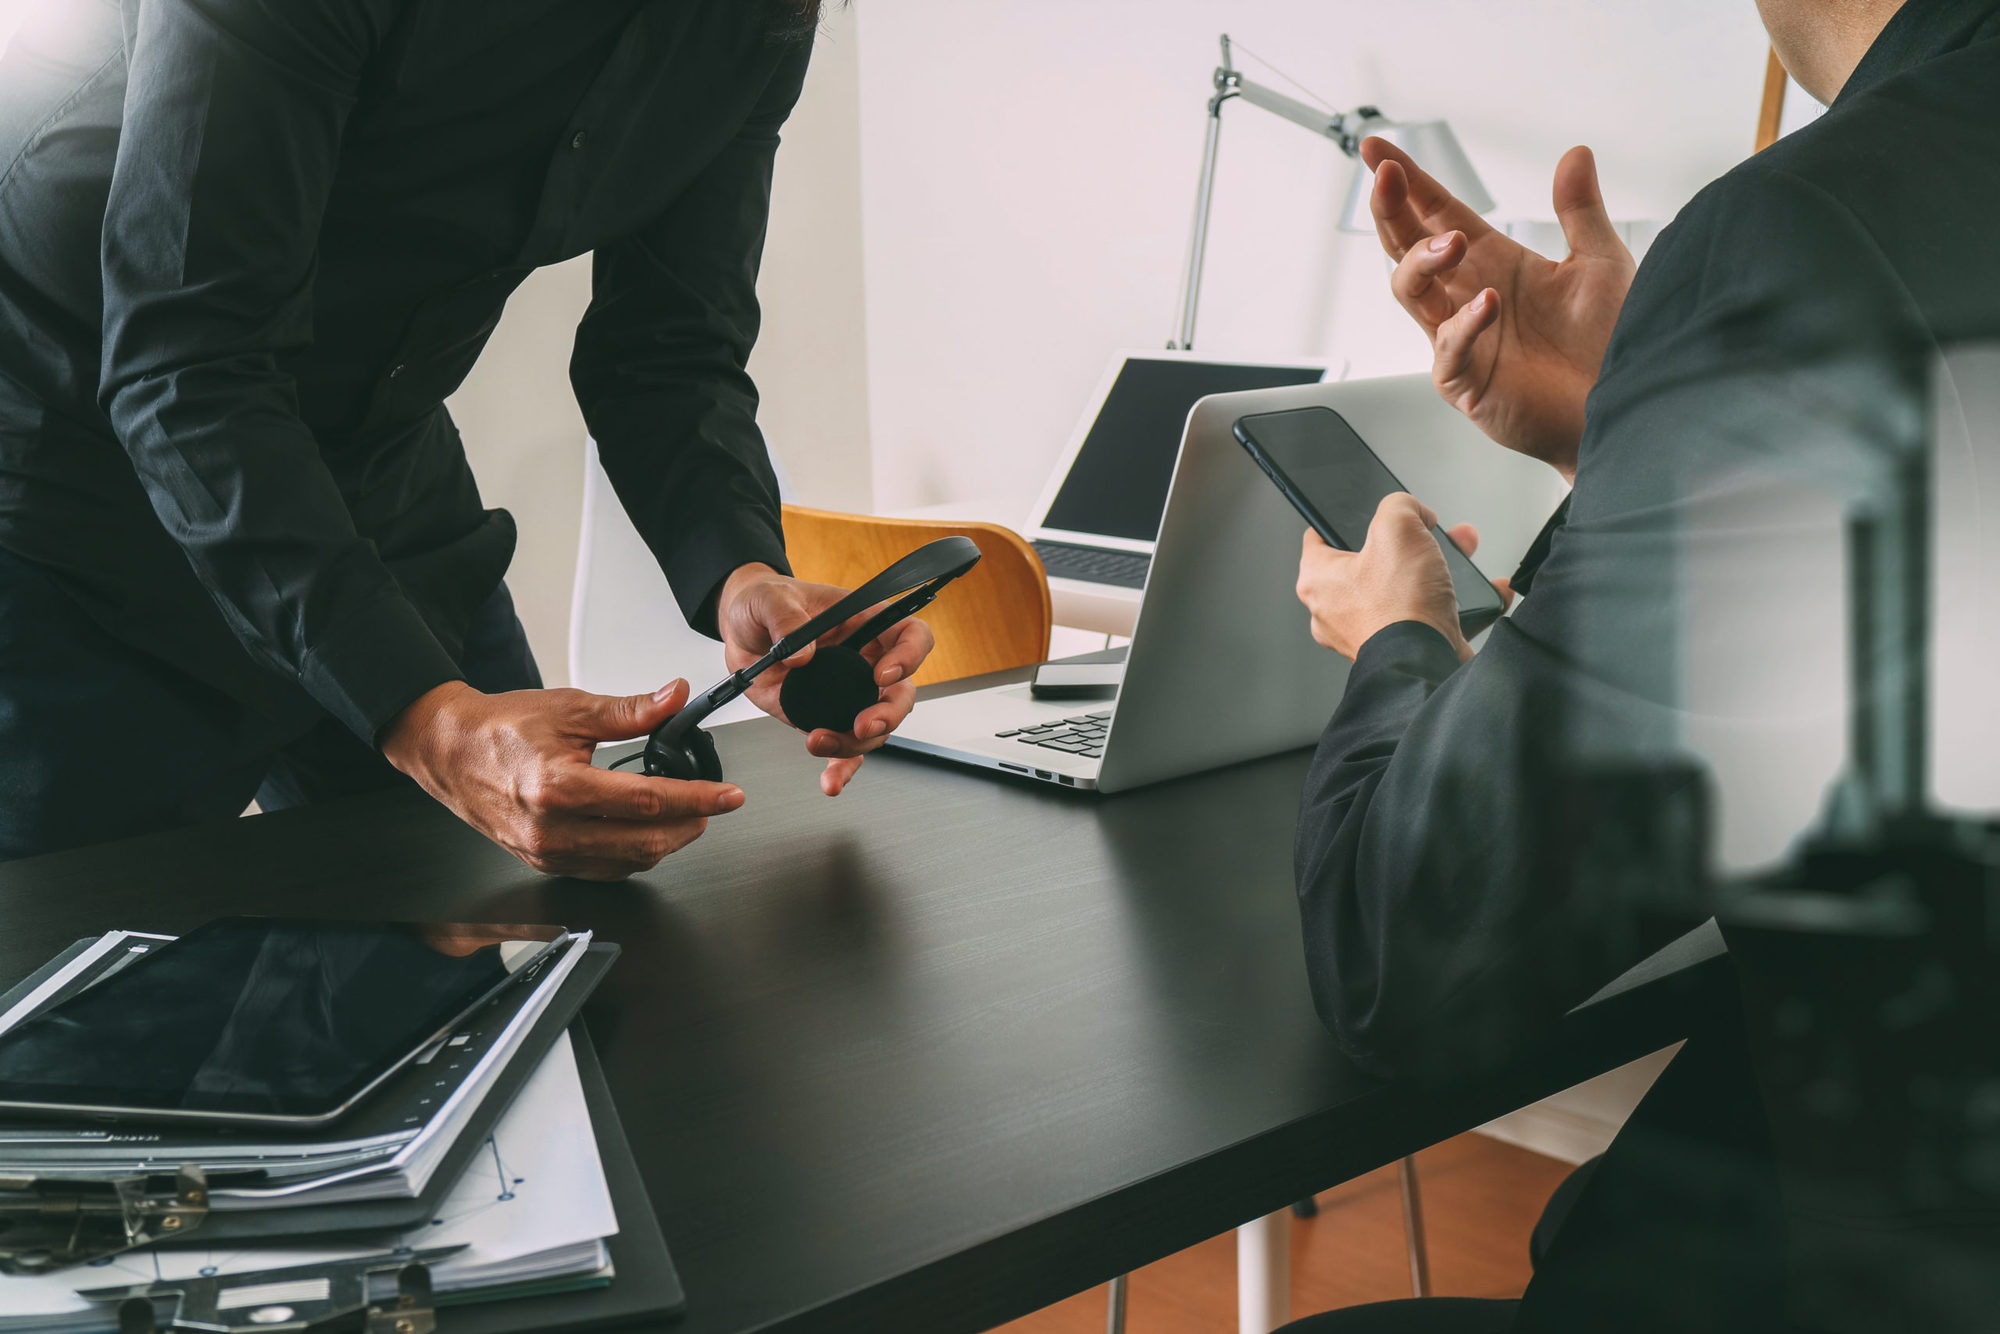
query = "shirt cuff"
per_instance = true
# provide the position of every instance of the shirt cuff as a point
(703, 560)
(374, 664)
(1410, 648)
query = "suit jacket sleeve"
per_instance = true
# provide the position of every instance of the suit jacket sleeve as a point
(233, 118)
(660, 367)
(1463, 859)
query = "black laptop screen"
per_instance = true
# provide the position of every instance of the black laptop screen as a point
(1118, 485)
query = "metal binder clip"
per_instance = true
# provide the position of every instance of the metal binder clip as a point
(49, 1223)
(301, 1300)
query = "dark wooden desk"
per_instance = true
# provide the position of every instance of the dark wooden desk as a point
(923, 1057)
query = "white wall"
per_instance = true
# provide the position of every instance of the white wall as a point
(521, 425)
(1028, 172)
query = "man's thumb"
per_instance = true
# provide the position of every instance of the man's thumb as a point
(623, 717)
(1580, 206)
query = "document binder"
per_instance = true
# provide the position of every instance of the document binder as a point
(392, 1294)
(360, 1217)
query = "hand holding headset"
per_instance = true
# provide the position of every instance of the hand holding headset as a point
(832, 689)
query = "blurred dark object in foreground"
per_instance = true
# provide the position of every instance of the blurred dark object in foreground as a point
(1870, 973)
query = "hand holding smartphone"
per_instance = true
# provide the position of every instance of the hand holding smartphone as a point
(1336, 483)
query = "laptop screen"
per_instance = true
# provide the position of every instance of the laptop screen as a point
(1117, 487)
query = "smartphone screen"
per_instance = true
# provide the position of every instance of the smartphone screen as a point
(1334, 480)
(257, 1018)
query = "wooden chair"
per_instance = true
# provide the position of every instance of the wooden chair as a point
(995, 618)
(1771, 111)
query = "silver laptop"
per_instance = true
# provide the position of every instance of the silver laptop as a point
(1099, 513)
(1222, 666)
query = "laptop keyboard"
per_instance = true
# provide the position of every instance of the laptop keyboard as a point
(1082, 735)
(1095, 565)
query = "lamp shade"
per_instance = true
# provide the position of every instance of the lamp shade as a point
(1432, 145)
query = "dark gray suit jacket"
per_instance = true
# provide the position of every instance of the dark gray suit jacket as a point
(1476, 843)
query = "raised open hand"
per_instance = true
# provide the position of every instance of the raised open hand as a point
(1516, 338)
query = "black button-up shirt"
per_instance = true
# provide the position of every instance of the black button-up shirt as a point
(247, 249)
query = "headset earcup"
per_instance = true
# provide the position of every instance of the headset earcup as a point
(830, 691)
(707, 764)
(690, 756)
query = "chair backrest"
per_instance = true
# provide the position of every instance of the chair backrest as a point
(995, 618)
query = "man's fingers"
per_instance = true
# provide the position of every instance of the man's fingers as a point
(1317, 561)
(1436, 207)
(1464, 536)
(871, 726)
(1453, 364)
(1397, 512)
(1416, 279)
(1505, 588)
(1580, 207)
(612, 850)
(622, 717)
(1396, 223)
(878, 720)
(833, 779)
(614, 794)
(782, 610)
(905, 645)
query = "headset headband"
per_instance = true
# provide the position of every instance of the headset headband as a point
(919, 575)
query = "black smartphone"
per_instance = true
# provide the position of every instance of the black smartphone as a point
(1333, 479)
(259, 1021)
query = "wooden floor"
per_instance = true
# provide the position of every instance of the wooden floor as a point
(1481, 1198)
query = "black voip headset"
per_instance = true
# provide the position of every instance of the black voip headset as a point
(832, 689)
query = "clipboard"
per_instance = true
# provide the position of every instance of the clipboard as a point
(362, 1217)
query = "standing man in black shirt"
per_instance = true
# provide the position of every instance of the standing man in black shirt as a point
(246, 251)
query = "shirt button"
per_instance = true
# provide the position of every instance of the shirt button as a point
(576, 140)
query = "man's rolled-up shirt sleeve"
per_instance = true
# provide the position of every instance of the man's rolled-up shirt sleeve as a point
(233, 120)
(660, 367)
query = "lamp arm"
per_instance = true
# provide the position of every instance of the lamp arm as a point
(1338, 126)
(1183, 338)
(1343, 128)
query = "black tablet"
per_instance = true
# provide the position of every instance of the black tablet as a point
(259, 1021)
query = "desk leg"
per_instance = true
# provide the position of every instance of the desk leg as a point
(1264, 1273)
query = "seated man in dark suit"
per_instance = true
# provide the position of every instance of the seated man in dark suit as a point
(1462, 875)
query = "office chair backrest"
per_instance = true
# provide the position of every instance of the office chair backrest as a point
(995, 618)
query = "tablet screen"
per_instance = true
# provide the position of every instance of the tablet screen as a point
(260, 1017)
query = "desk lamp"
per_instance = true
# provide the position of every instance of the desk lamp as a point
(1430, 142)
